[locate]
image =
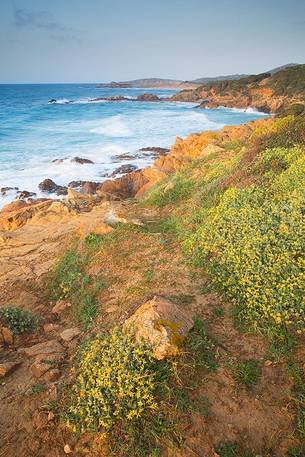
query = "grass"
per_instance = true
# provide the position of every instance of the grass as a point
(246, 373)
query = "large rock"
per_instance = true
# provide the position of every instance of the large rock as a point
(69, 334)
(126, 168)
(125, 187)
(45, 348)
(148, 98)
(18, 213)
(50, 187)
(81, 160)
(161, 323)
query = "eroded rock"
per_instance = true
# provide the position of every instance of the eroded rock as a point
(45, 348)
(69, 334)
(60, 306)
(161, 323)
(7, 368)
(50, 187)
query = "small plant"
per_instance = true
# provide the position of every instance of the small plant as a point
(218, 312)
(297, 451)
(246, 373)
(38, 388)
(227, 449)
(115, 382)
(200, 347)
(18, 320)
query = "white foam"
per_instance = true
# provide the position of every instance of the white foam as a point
(113, 126)
(248, 110)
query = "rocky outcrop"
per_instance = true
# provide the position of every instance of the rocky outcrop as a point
(162, 324)
(18, 213)
(148, 98)
(50, 187)
(125, 187)
(123, 169)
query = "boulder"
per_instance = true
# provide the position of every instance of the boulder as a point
(7, 368)
(81, 160)
(148, 98)
(128, 168)
(50, 187)
(17, 213)
(155, 151)
(125, 187)
(4, 190)
(45, 348)
(162, 324)
(69, 334)
(25, 194)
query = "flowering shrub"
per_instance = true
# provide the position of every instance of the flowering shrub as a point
(115, 382)
(253, 242)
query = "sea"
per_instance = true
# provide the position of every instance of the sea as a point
(35, 133)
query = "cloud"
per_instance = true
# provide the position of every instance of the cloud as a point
(44, 20)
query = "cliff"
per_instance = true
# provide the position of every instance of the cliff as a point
(270, 93)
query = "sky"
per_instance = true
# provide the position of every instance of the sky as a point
(43, 41)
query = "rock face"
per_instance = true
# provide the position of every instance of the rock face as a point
(46, 348)
(50, 187)
(17, 213)
(7, 368)
(125, 187)
(161, 323)
(69, 334)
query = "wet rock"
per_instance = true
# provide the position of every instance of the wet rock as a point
(52, 100)
(7, 368)
(161, 323)
(4, 190)
(59, 160)
(69, 334)
(89, 188)
(155, 151)
(45, 348)
(39, 368)
(128, 168)
(81, 160)
(49, 186)
(60, 306)
(25, 194)
(148, 98)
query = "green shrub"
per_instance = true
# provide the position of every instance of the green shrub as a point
(18, 320)
(115, 382)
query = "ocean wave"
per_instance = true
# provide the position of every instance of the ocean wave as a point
(248, 110)
(113, 126)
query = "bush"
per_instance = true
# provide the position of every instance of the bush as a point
(18, 320)
(115, 382)
(253, 244)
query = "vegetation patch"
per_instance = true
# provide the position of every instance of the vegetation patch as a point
(18, 320)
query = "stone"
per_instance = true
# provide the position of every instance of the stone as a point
(148, 98)
(67, 449)
(126, 168)
(81, 160)
(161, 323)
(7, 368)
(69, 334)
(49, 186)
(25, 194)
(39, 368)
(52, 375)
(50, 328)
(60, 306)
(46, 348)
(6, 336)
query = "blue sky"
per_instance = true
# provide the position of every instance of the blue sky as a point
(101, 40)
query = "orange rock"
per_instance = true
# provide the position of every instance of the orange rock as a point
(39, 368)
(161, 323)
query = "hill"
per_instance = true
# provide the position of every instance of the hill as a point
(265, 92)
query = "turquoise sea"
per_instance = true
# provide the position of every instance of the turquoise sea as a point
(34, 132)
